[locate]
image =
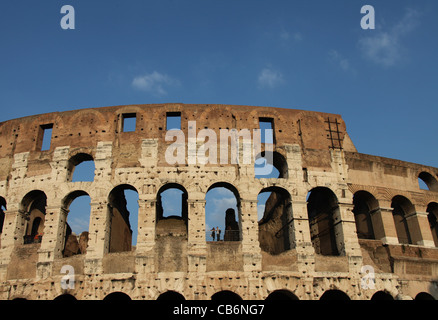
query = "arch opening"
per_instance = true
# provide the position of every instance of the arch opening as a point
(281, 295)
(77, 204)
(323, 209)
(123, 213)
(225, 295)
(270, 165)
(365, 204)
(402, 207)
(432, 216)
(34, 205)
(382, 295)
(274, 208)
(335, 295)
(2, 212)
(171, 296)
(222, 213)
(426, 181)
(172, 210)
(117, 296)
(81, 167)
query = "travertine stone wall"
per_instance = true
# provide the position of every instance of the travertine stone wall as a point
(175, 255)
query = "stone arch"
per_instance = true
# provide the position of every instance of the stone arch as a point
(75, 243)
(365, 205)
(270, 161)
(432, 216)
(121, 232)
(429, 180)
(77, 160)
(382, 295)
(171, 295)
(65, 297)
(334, 295)
(171, 210)
(323, 213)
(117, 296)
(34, 206)
(232, 217)
(402, 208)
(275, 230)
(225, 295)
(282, 295)
(424, 296)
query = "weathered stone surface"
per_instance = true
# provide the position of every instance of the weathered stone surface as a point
(304, 245)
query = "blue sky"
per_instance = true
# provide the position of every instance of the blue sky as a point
(310, 55)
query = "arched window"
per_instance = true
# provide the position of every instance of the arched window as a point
(270, 165)
(34, 205)
(402, 207)
(275, 211)
(81, 168)
(222, 213)
(78, 206)
(432, 216)
(123, 210)
(427, 181)
(172, 210)
(365, 204)
(322, 207)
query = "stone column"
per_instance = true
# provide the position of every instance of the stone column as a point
(144, 252)
(98, 238)
(385, 230)
(345, 230)
(252, 258)
(196, 247)
(301, 239)
(12, 235)
(53, 240)
(419, 229)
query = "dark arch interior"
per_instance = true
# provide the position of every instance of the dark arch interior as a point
(281, 295)
(225, 295)
(382, 295)
(171, 296)
(334, 295)
(117, 296)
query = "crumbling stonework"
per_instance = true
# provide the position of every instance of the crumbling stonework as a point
(332, 210)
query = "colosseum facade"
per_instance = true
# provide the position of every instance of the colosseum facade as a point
(338, 223)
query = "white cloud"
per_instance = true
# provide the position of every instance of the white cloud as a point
(269, 78)
(154, 83)
(296, 36)
(337, 58)
(385, 48)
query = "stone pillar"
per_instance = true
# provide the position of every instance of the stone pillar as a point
(144, 252)
(419, 229)
(196, 246)
(301, 240)
(98, 238)
(345, 231)
(252, 257)
(53, 240)
(12, 235)
(385, 230)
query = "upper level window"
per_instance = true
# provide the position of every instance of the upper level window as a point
(173, 121)
(129, 121)
(45, 137)
(267, 130)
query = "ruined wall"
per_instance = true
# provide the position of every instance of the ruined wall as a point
(312, 150)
